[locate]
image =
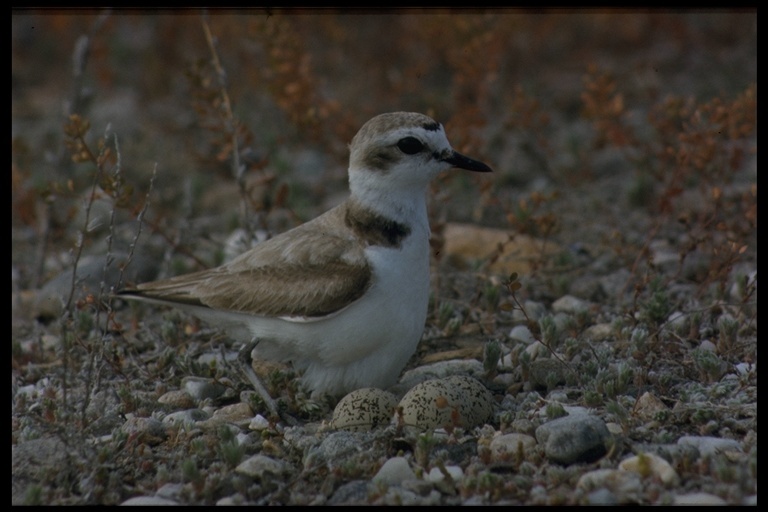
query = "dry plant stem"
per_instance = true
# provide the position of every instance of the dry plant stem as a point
(93, 355)
(86, 221)
(175, 245)
(535, 335)
(71, 106)
(642, 253)
(66, 316)
(140, 219)
(238, 170)
(79, 61)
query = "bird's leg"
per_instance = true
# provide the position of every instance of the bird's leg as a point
(246, 359)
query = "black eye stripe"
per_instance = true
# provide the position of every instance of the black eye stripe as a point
(410, 145)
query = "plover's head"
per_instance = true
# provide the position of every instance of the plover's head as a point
(402, 150)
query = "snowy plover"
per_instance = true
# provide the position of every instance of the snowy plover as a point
(343, 296)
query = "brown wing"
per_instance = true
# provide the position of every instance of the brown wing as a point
(313, 270)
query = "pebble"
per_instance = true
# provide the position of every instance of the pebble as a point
(546, 373)
(187, 417)
(506, 447)
(587, 287)
(677, 320)
(523, 426)
(169, 491)
(352, 493)
(651, 465)
(736, 290)
(602, 497)
(570, 439)
(394, 472)
(177, 399)
(236, 500)
(533, 311)
(338, 449)
(247, 440)
(259, 423)
(402, 497)
(599, 332)
(149, 501)
(420, 487)
(670, 452)
(146, 430)
(570, 304)
(521, 333)
(648, 406)
(29, 391)
(536, 350)
(745, 368)
(436, 474)
(663, 255)
(625, 486)
(573, 410)
(699, 498)
(613, 285)
(239, 414)
(216, 359)
(201, 389)
(258, 466)
(709, 446)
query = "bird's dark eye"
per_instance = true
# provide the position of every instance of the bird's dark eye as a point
(410, 145)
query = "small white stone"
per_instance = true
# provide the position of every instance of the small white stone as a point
(699, 498)
(437, 475)
(648, 406)
(537, 349)
(507, 447)
(521, 333)
(394, 471)
(570, 304)
(259, 422)
(624, 484)
(259, 465)
(708, 445)
(648, 464)
(143, 501)
(745, 368)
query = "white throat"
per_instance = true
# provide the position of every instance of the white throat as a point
(405, 204)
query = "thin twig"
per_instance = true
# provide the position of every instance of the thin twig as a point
(71, 106)
(238, 169)
(140, 220)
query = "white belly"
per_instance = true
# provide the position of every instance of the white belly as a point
(369, 342)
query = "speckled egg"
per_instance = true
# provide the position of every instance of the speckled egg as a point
(479, 403)
(456, 401)
(364, 409)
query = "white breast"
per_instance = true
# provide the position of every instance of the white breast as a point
(369, 342)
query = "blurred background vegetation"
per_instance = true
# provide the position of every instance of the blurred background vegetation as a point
(554, 100)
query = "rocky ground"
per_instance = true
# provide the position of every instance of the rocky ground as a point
(601, 286)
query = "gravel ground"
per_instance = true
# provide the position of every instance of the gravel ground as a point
(605, 300)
